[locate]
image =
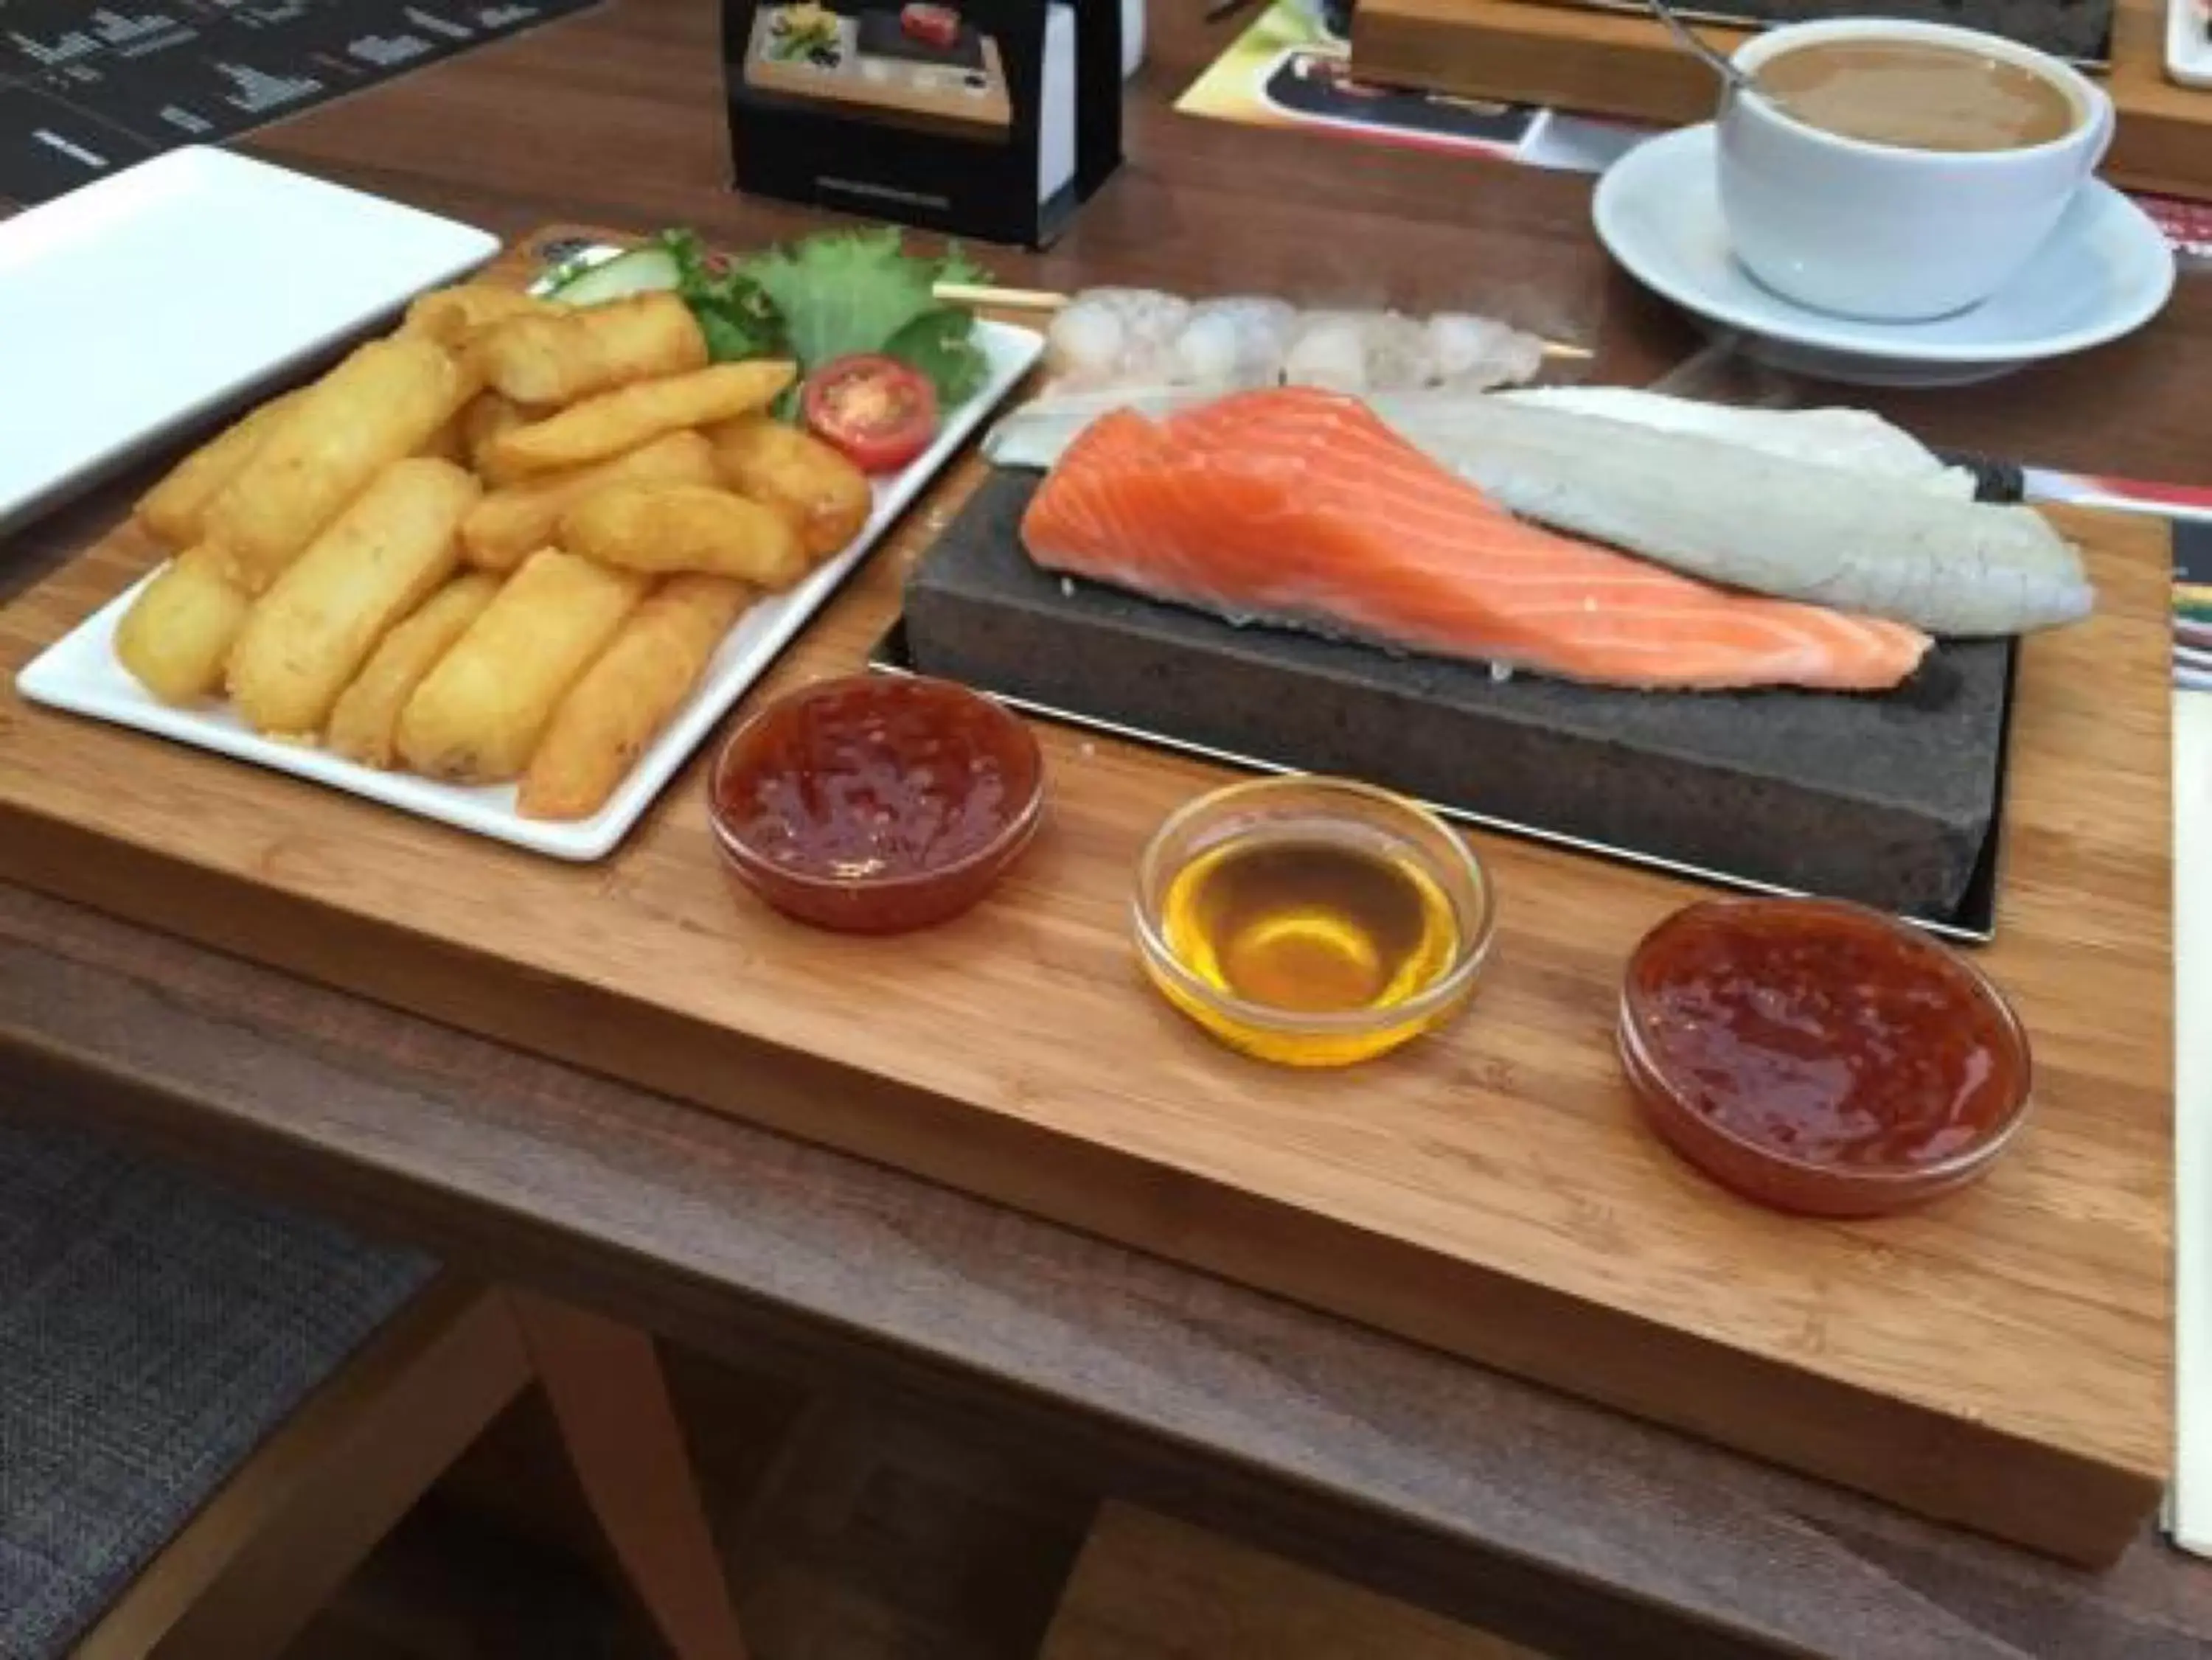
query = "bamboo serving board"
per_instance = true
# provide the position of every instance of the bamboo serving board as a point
(1620, 63)
(2001, 1358)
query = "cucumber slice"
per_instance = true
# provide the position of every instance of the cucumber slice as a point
(641, 271)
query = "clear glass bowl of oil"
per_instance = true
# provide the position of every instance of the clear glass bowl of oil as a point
(1312, 921)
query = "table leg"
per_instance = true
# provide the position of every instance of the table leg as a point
(611, 1400)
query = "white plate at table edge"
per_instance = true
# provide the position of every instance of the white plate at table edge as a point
(1795, 337)
(387, 251)
(79, 673)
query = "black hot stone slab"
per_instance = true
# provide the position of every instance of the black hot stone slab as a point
(1887, 800)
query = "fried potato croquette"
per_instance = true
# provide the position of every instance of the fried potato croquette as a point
(665, 528)
(173, 510)
(626, 697)
(452, 316)
(515, 521)
(482, 418)
(363, 718)
(608, 423)
(825, 496)
(559, 357)
(382, 403)
(177, 633)
(449, 443)
(309, 634)
(502, 544)
(477, 716)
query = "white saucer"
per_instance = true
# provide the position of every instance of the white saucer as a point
(2106, 271)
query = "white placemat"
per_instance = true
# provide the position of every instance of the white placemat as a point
(139, 304)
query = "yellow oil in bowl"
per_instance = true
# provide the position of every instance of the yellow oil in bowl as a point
(1311, 922)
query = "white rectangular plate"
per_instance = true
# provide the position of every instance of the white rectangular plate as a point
(80, 672)
(159, 295)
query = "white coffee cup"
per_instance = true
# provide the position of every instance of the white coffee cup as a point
(1894, 235)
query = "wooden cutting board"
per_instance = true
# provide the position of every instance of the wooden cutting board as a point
(1623, 64)
(2001, 1358)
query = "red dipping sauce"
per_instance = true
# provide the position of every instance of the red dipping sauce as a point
(1819, 1057)
(877, 803)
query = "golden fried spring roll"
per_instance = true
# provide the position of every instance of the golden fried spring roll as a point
(608, 423)
(362, 720)
(626, 696)
(825, 496)
(449, 443)
(451, 315)
(482, 418)
(516, 521)
(309, 634)
(477, 716)
(561, 357)
(177, 633)
(665, 528)
(173, 510)
(382, 403)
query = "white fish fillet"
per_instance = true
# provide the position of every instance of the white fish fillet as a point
(1034, 433)
(1763, 516)
(1794, 529)
(1857, 440)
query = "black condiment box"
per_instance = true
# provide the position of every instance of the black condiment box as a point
(993, 119)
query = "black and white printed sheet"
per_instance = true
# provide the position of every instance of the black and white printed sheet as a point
(88, 89)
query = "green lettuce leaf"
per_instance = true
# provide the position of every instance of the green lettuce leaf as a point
(842, 291)
(941, 343)
(956, 267)
(860, 291)
(736, 318)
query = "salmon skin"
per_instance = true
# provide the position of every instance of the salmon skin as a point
(1300, 507)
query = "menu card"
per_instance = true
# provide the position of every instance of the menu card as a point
(2192, 604)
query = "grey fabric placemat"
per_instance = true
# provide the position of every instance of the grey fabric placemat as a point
(154, 1331)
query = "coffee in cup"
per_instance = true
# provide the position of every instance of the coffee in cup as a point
(1900, 170)
(1918, 96)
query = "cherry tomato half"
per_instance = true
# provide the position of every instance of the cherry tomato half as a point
(877, 411)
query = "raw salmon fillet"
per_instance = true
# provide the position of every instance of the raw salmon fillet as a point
(1301, 506)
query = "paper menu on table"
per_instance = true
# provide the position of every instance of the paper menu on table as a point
(2188, 1508)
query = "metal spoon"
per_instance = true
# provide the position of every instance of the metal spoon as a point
(1733, 80)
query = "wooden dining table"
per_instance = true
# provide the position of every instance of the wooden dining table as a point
(1563, 1525)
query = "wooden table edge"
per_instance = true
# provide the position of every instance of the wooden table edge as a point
(1000, 1161)
(113, 1022)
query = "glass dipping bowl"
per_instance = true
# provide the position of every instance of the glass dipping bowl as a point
(1678, 1103)
(835, 803)
(1299, 809)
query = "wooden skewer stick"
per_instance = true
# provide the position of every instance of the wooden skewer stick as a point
(1040, 300)
(1004, 300)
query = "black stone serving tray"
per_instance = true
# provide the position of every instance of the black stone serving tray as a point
(1763, 792)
